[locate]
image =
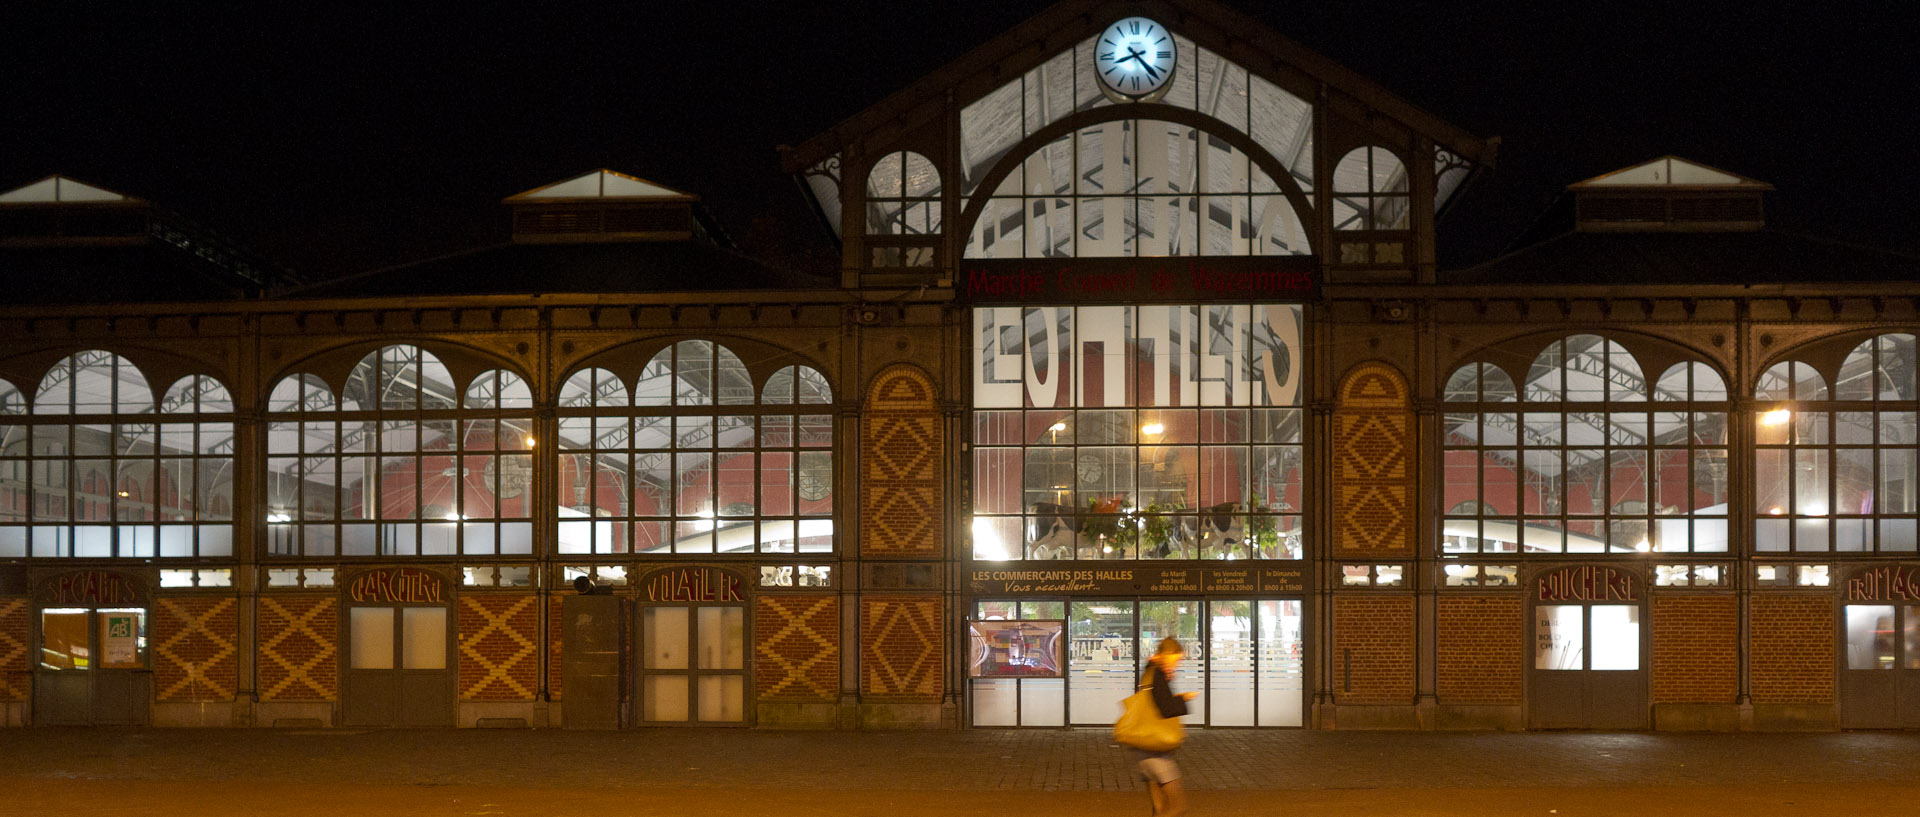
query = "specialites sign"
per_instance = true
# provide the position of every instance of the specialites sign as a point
(1135, 579)
(398, 585)
(92, 588)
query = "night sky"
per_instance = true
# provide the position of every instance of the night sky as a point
(335, 139)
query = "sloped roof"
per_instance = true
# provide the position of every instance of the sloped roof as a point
(58, 189)
(1670, 171)
(513, 268)
(601, 184)
(1758, 257)
(1062, 24)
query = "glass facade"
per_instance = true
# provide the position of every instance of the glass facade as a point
(1149, 432)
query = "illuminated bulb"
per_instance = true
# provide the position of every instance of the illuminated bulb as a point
(123, 493)
(1152, 428)
(1775, 510)
(529, 440)
(454, 517)
(1057, 427)
(1776, 417)
(277, 518)
(1642, 546)
(1816, 510)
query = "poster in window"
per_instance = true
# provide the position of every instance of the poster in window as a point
(118, 644)
(1016, 649)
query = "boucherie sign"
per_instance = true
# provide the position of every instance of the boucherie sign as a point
(399, 585)
(1587, 583)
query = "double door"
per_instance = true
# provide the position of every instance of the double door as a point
(398, 672)
(1880, 666)
(92, 666)
(693, 662)
(1588, 668)
(1243, 657)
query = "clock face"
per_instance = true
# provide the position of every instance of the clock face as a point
(1134, 57)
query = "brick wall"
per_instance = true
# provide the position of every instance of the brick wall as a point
(194, 654)
(796, 650)
(1480, 651)
(299, 648)
(556, 625)
(1696, 656)
(499, 646)
(901, 468)
(1379, 631)
(15, 642)
(1793, 651)
(902, 639)
(1373, 464)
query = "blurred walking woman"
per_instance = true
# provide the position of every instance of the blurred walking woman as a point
(1162, 774)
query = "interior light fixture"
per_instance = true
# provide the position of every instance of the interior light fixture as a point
(1057, 427)
(1152, 428)
(1776, 417)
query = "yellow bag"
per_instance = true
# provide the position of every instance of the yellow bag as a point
(1141, 726)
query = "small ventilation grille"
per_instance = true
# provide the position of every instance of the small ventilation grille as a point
(1678, 212)
(1716, 209)
(1623, 209)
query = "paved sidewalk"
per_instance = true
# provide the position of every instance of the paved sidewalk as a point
(997, 772)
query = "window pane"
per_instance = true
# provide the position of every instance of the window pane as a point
(1870, 636)
(1559, 640)
(371, 629)
(425, 634)
(1616, 637)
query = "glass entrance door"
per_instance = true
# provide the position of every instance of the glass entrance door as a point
(693, 665)
(397, 668)
(1243, 658)
(1587, 668)
(92, 667)
(1880, 670)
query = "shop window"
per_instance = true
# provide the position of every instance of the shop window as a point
(1584, 454)
(95, 467)
(694, 460)
(1838, 469)
(1470, 575)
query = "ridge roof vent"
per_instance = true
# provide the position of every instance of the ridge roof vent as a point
(603, 206)
(1670, 195)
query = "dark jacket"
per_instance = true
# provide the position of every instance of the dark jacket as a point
(1170, 705)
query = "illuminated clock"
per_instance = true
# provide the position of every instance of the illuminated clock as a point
(1134, 59)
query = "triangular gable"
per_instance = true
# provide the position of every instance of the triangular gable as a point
(602, 184)
(1061, 25)
(58, 189)
(1670, 170)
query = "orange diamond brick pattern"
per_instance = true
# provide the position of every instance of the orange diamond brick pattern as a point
(1379, 632)
(14, 669)
(1479, 650)
(193, 648)
(1792, 657)
(900, 648)
(796, 651)
(499, 647)
(299, 648)
(901, 463)
(1372, 459)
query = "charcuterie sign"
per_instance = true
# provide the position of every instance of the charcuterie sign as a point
(398, 585)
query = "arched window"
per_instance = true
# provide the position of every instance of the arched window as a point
(1137, 188)
(97, 472)
(1370, 191)
(697, 461)
(1834, 469)
(1582, 462)
(903, 195)
(395, 466)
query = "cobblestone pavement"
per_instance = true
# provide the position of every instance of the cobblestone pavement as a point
(659, 771)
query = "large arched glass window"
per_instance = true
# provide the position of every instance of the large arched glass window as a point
(1585, 455)
(1137, 188)
(1834, 469)
(99, 470)
(694, 460)
(403, 463)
